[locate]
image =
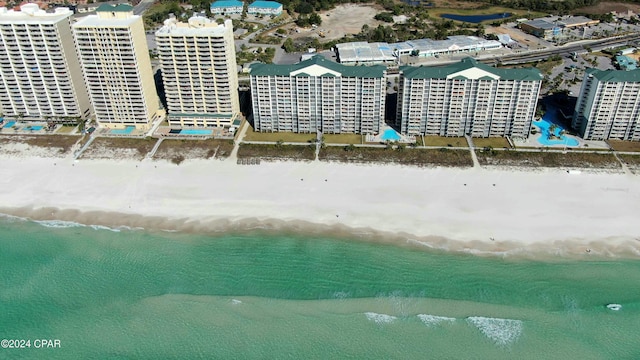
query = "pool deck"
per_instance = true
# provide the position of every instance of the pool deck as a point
(216, 132)
(532, 142)
(26, 128)
(378, 137)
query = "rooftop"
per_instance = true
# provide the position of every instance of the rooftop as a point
(265, 4)
(197, 25)
(541, 24)
(446, 71)
(115, 8)
(615, 75)
(361, 51)
(260, 69)
(31, 13)
(226, 4)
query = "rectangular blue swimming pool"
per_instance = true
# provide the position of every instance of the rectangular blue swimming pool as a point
(125, 131)
(196, 132)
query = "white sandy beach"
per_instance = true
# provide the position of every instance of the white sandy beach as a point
(552, 210)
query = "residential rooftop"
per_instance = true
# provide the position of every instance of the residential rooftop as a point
(114, 8)
(226, 4)
(260, 69)
(615, 75)
(447, 71)
(31, 13)
(197, 25)
(265, 4)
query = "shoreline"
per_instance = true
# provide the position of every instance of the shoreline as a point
(477, 211)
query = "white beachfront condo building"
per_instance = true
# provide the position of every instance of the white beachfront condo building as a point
(199, 72)
(262, 7)
(117, 68)
(609, 105)
(318, 94)
(467, 98)
(227, 7)
(40, 77)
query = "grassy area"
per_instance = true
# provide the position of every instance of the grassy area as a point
(632, 162)
(406, 156)
(343, 139)
(547, 159)
(65, 129)
(119, 148)
(547, 66)
(494, 142)
(251, 135)
(621, 145)
(178, 150)
(58, 144)
(436, 12)
(445, 141)
(277, 152)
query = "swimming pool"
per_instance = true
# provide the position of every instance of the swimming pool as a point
(9, 124)
(196, 132)
(544, 124)
(33, 128)
(390, 134)
(125, 131)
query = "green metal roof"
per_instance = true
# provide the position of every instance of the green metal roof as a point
(615, 75)
(441, 72)
(259, 69)
(117, 8)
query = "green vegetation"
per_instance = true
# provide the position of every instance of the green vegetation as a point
(66, 129)
(62, 143)
(445, 141)
(262, 55)
(277, 152)
(547, 159)
(398, 155)
(343, 138)
(194, 149)
(159, 12)
(311, 19)
(252, 135)
(99, 145)
(622, 145)
(494, 142)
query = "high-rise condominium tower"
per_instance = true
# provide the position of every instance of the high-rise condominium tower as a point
(117, 68)
(199, 72)
(40, 77)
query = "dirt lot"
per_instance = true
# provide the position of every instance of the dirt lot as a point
(342, 20)
(171, 149)
(605, 7)
(54, 146)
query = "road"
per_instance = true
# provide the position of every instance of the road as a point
(564, 51)
(142, 7)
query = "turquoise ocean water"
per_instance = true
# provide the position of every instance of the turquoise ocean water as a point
(152, 295)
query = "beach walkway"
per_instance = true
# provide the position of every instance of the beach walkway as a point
(476, 163)
(155, 148)
(83, 148)
(243, 130)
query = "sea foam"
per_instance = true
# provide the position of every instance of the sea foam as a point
(380, 318)
(432, 320)
(500, 331)
(58, 224)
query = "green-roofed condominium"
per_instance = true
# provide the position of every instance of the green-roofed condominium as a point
(318, 94)
(467, 98)
(199, 72)
(608, 106)
(117, 69)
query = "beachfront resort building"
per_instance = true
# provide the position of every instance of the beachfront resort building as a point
(318, 95)
(227, 7)
(40, 77)
(117, 68)
(608, 106)
(261, 7)
(467, 98)
(199, 72)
